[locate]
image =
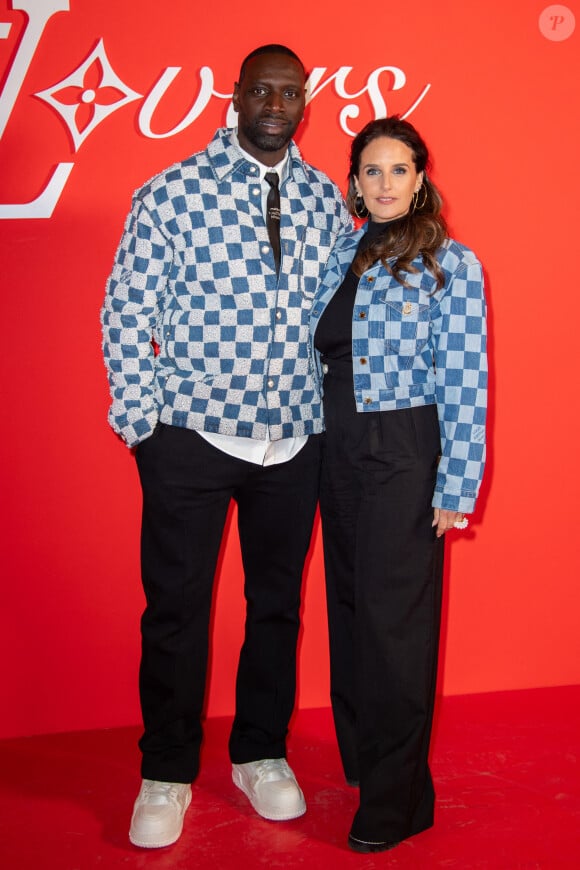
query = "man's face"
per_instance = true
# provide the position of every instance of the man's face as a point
(270, 103)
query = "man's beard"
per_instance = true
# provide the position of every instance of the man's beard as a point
(267, 141)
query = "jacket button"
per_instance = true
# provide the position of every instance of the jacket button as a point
(368, 401)
(270, 383)
(362, 315)
(325, 368)
(265, 249)
(370, 279)
(363, 361)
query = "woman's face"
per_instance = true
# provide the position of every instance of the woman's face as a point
(387, 178)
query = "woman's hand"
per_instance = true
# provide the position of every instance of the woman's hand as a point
(445, 520)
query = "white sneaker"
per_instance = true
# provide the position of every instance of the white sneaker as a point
(158, 813)
(271, 787)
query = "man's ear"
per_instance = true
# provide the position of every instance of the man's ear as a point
(235, 96)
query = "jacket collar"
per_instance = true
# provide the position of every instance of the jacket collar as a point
(226, 158)
(347, 243)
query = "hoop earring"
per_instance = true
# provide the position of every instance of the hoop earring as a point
(357, 208)
(415, 199)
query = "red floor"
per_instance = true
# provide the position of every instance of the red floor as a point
(505, 765)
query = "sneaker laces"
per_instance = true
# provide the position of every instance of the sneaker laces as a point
(272, 769)
(161, 793)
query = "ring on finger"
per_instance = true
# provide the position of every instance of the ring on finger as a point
(461, 524)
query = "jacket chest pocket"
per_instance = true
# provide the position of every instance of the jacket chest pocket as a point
(406, 331)
(313, 250)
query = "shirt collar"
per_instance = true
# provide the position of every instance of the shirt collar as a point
(281, 168)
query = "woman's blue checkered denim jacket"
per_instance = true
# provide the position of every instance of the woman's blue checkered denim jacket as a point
(416, 345)
(194, 274)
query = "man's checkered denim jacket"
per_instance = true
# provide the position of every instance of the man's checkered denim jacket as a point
(195, 273)
(416, 345)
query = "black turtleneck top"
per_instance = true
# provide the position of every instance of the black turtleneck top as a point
(333, 337)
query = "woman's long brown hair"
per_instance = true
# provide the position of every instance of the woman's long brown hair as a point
(423, 230)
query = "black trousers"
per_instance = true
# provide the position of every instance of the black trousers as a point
(384, 569)
(187, 485)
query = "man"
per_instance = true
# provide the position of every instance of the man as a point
(205, 328)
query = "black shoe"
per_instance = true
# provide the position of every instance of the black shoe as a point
(364, 846)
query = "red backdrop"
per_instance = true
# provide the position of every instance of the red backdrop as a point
(98, 97)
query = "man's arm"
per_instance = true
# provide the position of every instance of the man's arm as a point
(128, 318)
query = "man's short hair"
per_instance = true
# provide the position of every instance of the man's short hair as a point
(272, 48)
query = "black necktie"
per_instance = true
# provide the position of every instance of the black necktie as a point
(273, 215)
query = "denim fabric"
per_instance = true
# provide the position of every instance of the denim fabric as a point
(195, 273)
(415, 345)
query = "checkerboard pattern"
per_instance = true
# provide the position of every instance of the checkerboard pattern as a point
(415, 345)
(194, 279)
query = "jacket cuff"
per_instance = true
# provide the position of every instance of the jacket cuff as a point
(450, 502)
(134, 427)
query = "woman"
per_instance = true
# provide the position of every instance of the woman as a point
(399, 341)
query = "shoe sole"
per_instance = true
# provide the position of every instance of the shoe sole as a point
(159, 844)
(271, 817)
(365, 847)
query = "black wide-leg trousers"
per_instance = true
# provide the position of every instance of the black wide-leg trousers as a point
(187, 486)
(384, 567)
